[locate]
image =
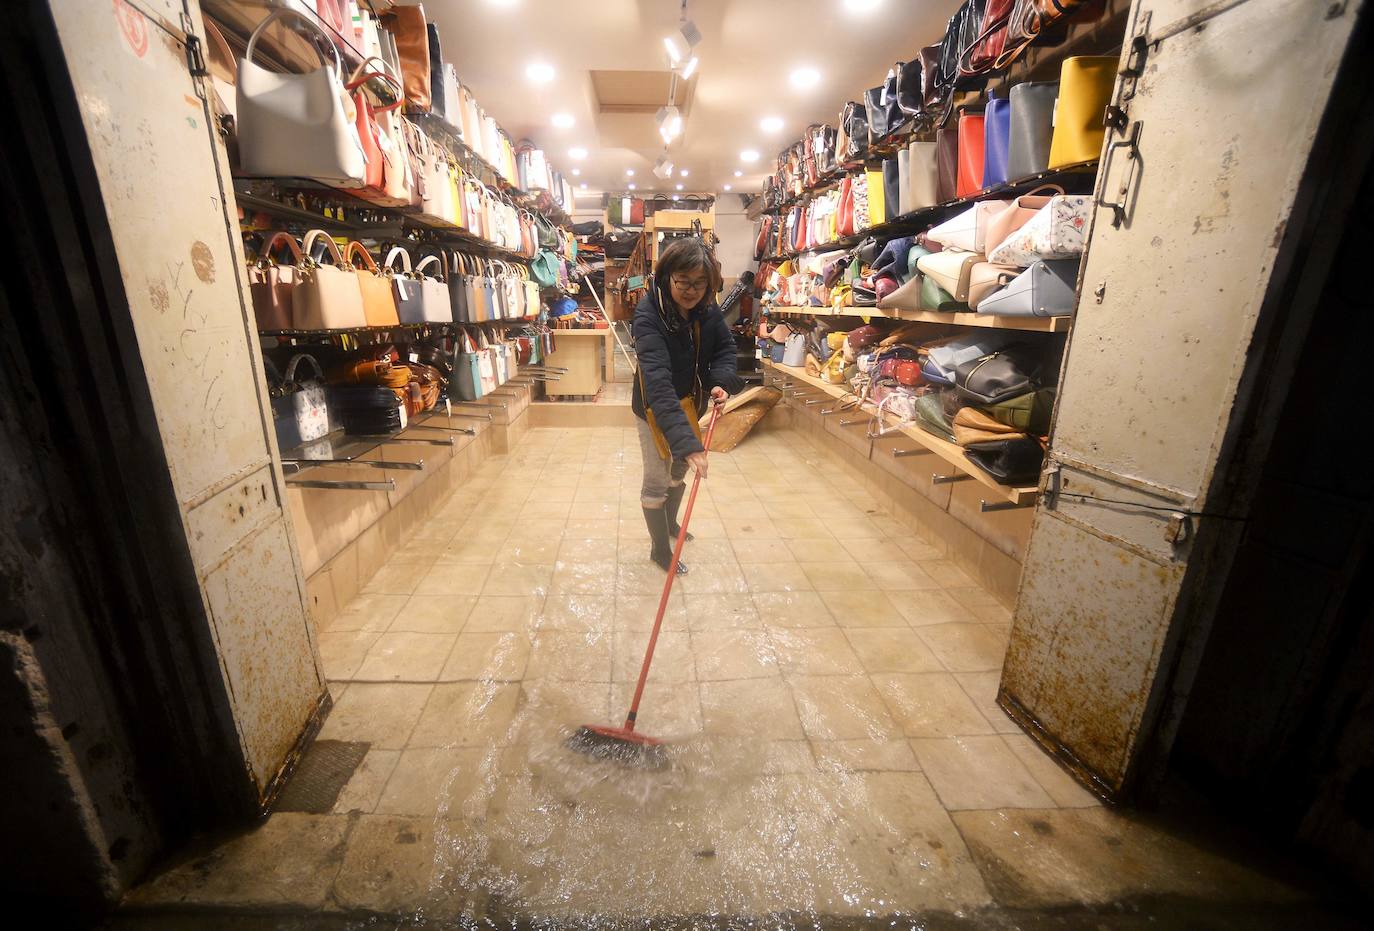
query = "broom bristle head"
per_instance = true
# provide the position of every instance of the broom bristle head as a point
(619, 745)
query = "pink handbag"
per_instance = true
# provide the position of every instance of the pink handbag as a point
(1017, 215)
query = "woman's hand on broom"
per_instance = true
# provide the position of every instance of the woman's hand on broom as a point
(698, 462)
(719, 394)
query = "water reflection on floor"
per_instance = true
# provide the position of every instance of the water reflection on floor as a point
(825, 676)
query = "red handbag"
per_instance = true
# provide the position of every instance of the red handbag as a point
(844, 214)
(970, 176)
(369, 131)
(982, 53)
(907, 372)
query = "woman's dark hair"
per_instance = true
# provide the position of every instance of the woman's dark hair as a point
(687, 255)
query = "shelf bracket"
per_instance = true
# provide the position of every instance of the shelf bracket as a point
(850, 423)
(918, 451)
(828, 411)
(938, 479)
(409, 440)
(299, 465)
(985, 507)
(426, 425)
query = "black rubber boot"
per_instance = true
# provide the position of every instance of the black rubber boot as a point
(662, 550)
(670, 508)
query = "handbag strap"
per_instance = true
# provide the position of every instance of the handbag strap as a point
(329, 244)
(1044, 187)
(391, 257)
(220, 53)
(277, 239)
(420, 269)
(290, 378)
(356, 249)
(282, 14)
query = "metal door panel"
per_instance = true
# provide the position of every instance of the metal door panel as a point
(1227, 117)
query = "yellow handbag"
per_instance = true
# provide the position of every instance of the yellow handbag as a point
(877, 211)
(689, 407)
(1085, 89)
(455, 175)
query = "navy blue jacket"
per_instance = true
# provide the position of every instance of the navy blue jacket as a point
(670, 364)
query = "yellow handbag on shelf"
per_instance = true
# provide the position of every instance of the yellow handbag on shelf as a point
(455, 180)
(877, 212)
(1085, 89)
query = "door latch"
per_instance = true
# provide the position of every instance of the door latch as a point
(1131, 143)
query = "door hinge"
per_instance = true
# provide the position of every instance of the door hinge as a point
(1178, 529)
(195, 51)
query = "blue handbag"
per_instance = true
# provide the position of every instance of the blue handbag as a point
(996, 139)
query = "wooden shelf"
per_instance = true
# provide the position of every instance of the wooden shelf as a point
(988, 321)
(949, 452)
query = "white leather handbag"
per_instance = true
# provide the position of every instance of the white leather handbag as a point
(923, 177)
(435, 303)
(326, 297)
(968, 229)
(297, 125)
(950, 270)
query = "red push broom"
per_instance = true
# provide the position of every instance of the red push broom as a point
(625, 744)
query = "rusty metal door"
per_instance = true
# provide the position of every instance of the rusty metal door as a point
(1212, 124)
(163, 178)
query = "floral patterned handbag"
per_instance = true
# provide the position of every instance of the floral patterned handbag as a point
(1057, 231)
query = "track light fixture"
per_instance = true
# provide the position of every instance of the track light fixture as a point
(663, 168)
(669, 121)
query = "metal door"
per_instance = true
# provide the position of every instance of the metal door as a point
(163, 178)
(1213, 121)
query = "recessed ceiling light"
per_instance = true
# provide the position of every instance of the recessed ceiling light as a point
(862, 6)
(576, 172)
(727, 187)
(749, 155)
(578, 153)
(771, 124)
(738, 173)
(563, 120)
(631, 185)
(803, 79)
(583, 185)
(629, 172)
(683, 173)
(677, 196)
(679, 187)
(539, 72)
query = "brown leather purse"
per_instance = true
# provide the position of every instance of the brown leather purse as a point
(407, 25)
(271, 285)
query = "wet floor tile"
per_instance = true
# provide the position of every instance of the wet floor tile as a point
(364, 788)
(864, 609)
(929, 704)
(467, 714)
(446, 781)
(402, 864)
(890, 649)
(585, 578)
(966, 647)
(342, 652)
(837, 576)
(495, 655)
(721, 612)
(381, 714)
(562, 654)
(527, 551)
(898, 575)
(669, 710)
(978, 772)
(819, 651)
(865, 755)
(816, 550)
(932, 607)
(453, 579)
(1057, 783)
(588, 549)
(775, 577)
(518, 579)
(672, 661)
(982, 688)
(755, 708)
(396, 578)
(841, 708)
(713, 578)
(948, 574)
(518, 613)
(372, 613)
(433, 614)
(578, 612)
(733, 654)
(405, 657)
(637, 612)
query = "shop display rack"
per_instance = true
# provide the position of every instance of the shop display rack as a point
(1006, 497)
(989, 321)
(918, 220)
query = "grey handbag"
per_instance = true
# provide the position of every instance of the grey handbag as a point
(1032, 126)
(1043, 290)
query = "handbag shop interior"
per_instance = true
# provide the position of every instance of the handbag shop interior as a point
(971, 622)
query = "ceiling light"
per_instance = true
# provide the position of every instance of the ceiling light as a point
(563, 120)
(663, 168)
(539, 72)
(669, 121)
(739, 174)
(631, 186)
(683, 173)
(749, 155)
(680, 44)
(629, 172)
(677, 196)
(862, 6)
(803, 79)
(691, 67)
(576, 172)
(679, 187)
(771, 124)
(727, 187)
(578, 153)
(583, 185)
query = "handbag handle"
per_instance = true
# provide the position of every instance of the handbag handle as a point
(330, 246)
(361, 76)
(1044, 187)
(225, 57)
(290, 378)
(391, 257)
(282, 14)
(279, 237)
(356, 249)
(420, 269)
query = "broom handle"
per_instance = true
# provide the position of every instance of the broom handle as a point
(668, 582)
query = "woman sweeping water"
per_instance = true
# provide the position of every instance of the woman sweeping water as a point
(685, 352)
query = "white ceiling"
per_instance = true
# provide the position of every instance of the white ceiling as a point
(748, 49)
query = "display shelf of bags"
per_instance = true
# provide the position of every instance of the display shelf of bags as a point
(988, 321)
(950, 453)
(288, 48)
(917, 219)
(382, 335)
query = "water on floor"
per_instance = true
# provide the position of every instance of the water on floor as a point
(826, 679)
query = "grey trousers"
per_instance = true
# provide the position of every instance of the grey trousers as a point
(659, 474)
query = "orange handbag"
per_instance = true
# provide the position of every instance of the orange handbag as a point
(379, 299)
(970, 177)
(369, 130)
(844, 214)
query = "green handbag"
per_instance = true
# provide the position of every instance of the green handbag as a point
(930, 416)
(1029, 412)
(912, 255)
(544, 269)
(934, 297)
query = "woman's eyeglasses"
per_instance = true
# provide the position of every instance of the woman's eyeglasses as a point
(683, 284)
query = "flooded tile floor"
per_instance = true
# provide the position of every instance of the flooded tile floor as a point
(827, 680)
